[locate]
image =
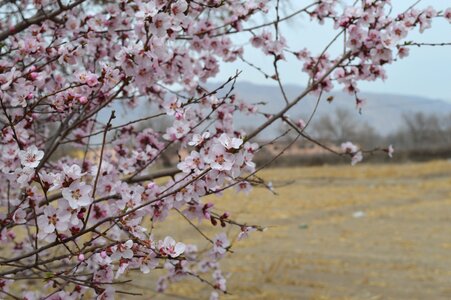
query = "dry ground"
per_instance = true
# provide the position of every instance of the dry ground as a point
(315, 247)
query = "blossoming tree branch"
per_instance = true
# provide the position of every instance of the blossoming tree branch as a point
(75, 224)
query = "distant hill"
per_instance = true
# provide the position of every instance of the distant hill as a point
(382, 111)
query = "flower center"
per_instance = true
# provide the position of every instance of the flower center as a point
(76, 194)
(220, 159)
(53, 219)
(31, 158)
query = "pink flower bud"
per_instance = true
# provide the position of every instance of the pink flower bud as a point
(178, 116)
(91, 80)
(81, 257)
(83, 100)
(34, 75)
(103, 254)
(300, 123)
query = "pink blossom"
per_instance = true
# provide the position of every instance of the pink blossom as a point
(447, 14)
(244, 233)
(147, 9)
(356, 158)
(123, 251)
(160, 24)
(177, 131)
(399, 30)
(20, 216)
(148, 262)
(390, 151)
(219, 159)
(199, 211)
(78, 194)
(230, 143)
(300, 123)
(403, 52)
(199, 139)
(89, 78)
(7, 78)
(243, 186)
(83, 100)
(359, 104)
(53, 219)
(73, 172)
(220, 244)
(31, 157)
(24, 176)
(168, 247)
(349, 147)
(220, 280)
(214, 295)
(191, 162)
(179, 7)
(23, 94)
(172, 106)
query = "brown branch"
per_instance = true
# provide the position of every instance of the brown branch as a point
(297, 99)
(36, 19)
(108, 125)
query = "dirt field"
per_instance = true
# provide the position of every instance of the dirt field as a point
(365, 232)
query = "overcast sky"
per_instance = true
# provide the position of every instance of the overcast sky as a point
(425, 72)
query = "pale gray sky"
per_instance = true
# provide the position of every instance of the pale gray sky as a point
(425, 72)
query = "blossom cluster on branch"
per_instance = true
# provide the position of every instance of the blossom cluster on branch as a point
(76, 224)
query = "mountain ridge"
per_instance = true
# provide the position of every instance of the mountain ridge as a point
(382, 111)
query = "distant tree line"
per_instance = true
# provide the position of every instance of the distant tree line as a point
(421, 137)
(419, 131)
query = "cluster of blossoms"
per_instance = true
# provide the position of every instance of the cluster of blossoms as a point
(79, 197)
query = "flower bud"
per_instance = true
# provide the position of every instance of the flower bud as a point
(83, 100)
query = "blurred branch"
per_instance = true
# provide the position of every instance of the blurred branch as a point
(39, 17)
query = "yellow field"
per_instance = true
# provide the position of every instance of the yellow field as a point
(316, 247)
(334, 232)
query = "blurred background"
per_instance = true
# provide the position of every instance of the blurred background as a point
(373, 231)
(378, 230)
